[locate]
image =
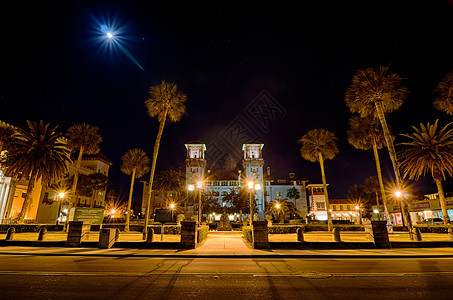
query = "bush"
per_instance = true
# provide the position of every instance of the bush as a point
(202, 233)
(283, 229)
(247, 233)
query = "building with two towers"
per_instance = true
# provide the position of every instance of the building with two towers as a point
(219, 183)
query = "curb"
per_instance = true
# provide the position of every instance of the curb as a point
(239, 256)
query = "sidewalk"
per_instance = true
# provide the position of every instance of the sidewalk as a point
(229, 245)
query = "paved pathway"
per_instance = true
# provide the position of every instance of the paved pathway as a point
(220, 242)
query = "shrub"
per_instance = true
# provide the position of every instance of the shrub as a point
(247, 233)
(203, 231)
(283, 229)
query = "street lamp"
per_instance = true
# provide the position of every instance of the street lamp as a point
(61, 195)
(199, 187)
(252, 186)
(406, 219)
(172, 207)
(399, 195)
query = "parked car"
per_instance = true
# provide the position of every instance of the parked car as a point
(431, 221)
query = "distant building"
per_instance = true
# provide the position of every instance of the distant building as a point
(45, 202)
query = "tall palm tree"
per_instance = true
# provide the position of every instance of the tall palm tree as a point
(85, 139)
(39, 153)
(135, 163)
(366, 134)
(443, 94)
(317, 146)
(429, 150)
(164, 102)
(375, 92)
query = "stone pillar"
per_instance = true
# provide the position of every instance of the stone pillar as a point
(450, 232)
(150, 235)
(378, 234)
(417, 234)
(188, 235)
(260, 234)
(300, 234)
(10, 233)
(42, 233)
(336, 235)
(77, 231)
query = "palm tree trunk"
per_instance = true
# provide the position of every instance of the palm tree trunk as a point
(31, 185)
(381, 181)
(389, 142)
(128, 212)
(326, 195)
(153, 169)
(73, 198)
(443, 205)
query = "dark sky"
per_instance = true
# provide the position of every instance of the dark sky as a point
(226, 57)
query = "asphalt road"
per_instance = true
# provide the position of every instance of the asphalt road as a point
(85, 277)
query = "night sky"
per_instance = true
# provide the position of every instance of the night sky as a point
(231, 60)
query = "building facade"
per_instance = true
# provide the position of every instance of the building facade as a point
(46, 205)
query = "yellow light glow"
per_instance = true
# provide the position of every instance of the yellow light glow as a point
(199, 184)
(277, 206)
(61, 195)
(398, 194)
(250, 184)
(357, 207)
(257, 186)
(191, 187)
(172, 206)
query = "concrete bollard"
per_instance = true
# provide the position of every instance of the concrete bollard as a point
(42, 233)
(10, 234)
(450, 233)
(336, 235)
(300, 234)
(149, 238)
(418, 234)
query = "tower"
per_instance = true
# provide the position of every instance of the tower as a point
(253, 163)
(195, 162)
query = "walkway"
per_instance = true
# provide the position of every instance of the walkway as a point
(220, 242)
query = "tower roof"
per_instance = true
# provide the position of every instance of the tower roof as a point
(195, 143)
(253, 143)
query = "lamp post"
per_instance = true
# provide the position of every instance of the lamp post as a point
(172, 207)
(199, 187)
(61, 196)
(252, 186)
(406, 219)
(359, 215)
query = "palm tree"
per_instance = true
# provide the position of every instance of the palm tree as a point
(96, 182)
(164, 102)
(85, 139)
(429, 150)
(372, 186)
(280, 207)
(135, 163)
(374, 93)
(317, 146)
(366, 134)
(169, 182)
(443, 94)
(7, 135)
(358, 198)
(39, 153)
